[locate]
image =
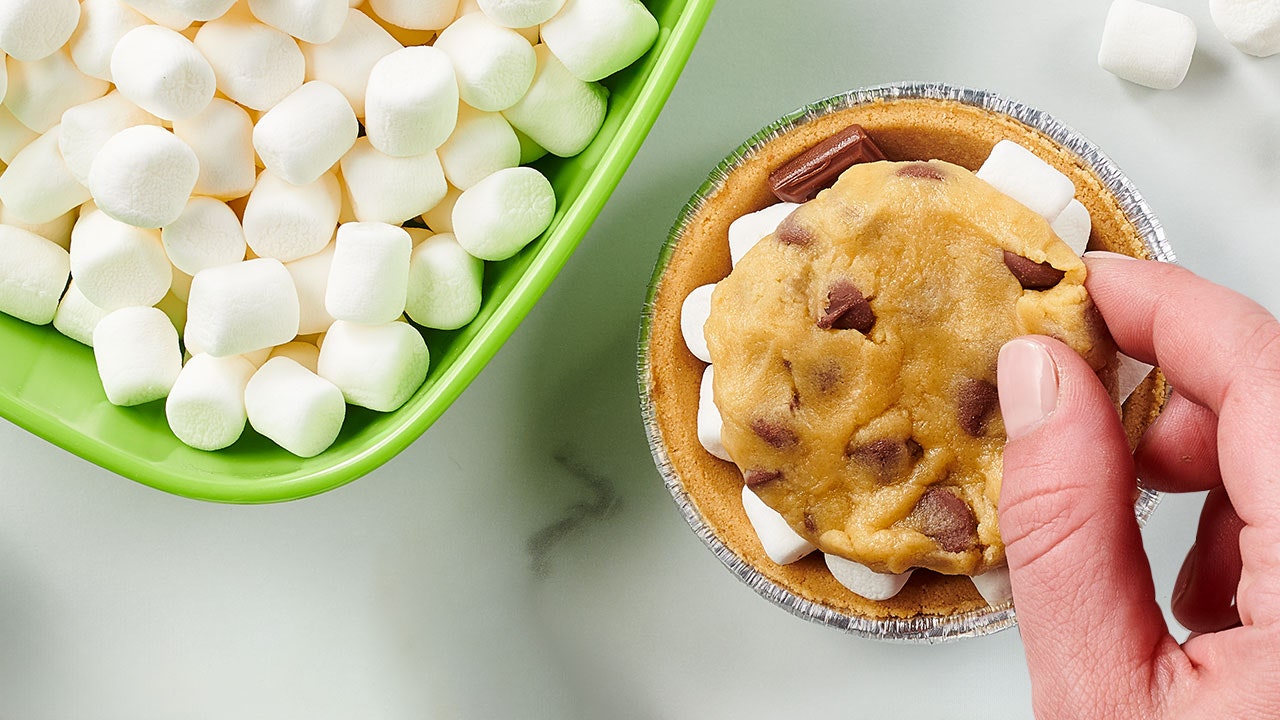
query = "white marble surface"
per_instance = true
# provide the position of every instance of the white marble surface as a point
(522, 559)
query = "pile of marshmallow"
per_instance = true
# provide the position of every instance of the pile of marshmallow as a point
(1010, 168)
(1152, 45)
(199, 166)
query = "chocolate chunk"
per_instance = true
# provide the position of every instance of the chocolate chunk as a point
(803, 176)
(777, 435)
(791, 232)
(1031, 274)
(976, 400)
(921, 170)
(887, 457)
(755, 478)
(945, 517)
(847, 309)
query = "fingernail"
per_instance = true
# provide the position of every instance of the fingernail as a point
(1028, 386)
(1107, 255)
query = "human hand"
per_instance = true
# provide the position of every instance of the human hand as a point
(1096, 641)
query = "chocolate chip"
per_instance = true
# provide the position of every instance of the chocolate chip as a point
(921, 170)
(945, 517)
(803, 176)
(791, 232)
(810, 524)
(754, 478)
(1031, 274)
(976, 400)
(828, 376)
(887, 458)
(776, 434)
(847, 309)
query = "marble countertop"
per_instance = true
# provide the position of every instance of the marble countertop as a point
(522, 560)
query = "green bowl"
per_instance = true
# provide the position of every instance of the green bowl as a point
(49, 383)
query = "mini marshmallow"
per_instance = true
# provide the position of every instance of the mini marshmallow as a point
(222, 139)
(41, 90)
(287, 222)
(162, 72)
(863, 581)
(520, 13)
(440, 217)
(346, 61)
(34, 29)
(596, 38)
(86, 128)
(37, 187)
(1020, 174)
(495, 65)
(13, 136)
(481, 144)
(495, 218)
(32, 275)
(559, 112)
(205, 408)
(117, 265)
(782, 544)
(411, 105)
(202, 10)
(313, 21)
(416, 14)
(311, 280)
(76, 317)
(1073, 226)
(1253, 26)
(375, 366)
(710, 423)
(143, 176)
(390, 189)
(162, 12)
(295, 408)
(57, 230)
(303, 353)
(1146, 44)
(693, 315)
(138, 355)
(255, 65)
(240, 308)
(1130, 375)
(444, 284)
(404, 36)
(207, 234)
(306, 134)
(751, 228)
(369, 280)
(102, 24)
(994, 586)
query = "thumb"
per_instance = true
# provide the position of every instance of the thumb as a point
(1093, 633)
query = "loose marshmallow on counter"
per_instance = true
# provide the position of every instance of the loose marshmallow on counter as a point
(1147, 44)
(102, 24)
(346, 61)
(495, 218)
(1073, 226)
(313, 21)
(41, 90)
(440, 217)
(303, 353)
(994, 586)
(162, 12)
(143, 176)
(375, 366)
(390, 189)
(444, 284)
(1130, 375)
(311, 279)
(750, 229)
(32, 275)
(520, 13)
(295, 408)
(76, 317)
(495, 65)
(33, 29)
(207, 234)
(138, 357)
(13, 136)
(710, 423)
(596, 38)
(37, 186)
(205, 408)
(162, 72)
(118, 265)
(782, 544)
(416, 14)
(863, 581)
(222, 139)
(286, 221)
(1019, 173)
(240, 308)
(411, 105)
(559, 112)
(693, 315)
(1253, 26)
(255, 65)
(306, 134)
(481, 144)
(369, 279)
(86, 128)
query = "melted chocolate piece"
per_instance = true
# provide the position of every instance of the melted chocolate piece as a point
(847, 309)
(945, 517)
(1032, 275)
(776, 434)
(921, 170)
(754, 478)
(976, 400)
(887, 457)
(802, 177)
(790, 232)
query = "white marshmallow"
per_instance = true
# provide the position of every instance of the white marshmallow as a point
(560, 112)
(86, 128)
(345, 61)
(750, 229)
(174, 309)
(180, 285)
(369, 279)
(205, 408)
(37, 187)
(295, 408)
(376, 366)
(444, 283)
(481, 144)
(404, 36)
(257, 358)
(863, 581)
(143, 176)
(222, 139)
(495, 218)
(41, 90)
(416, 14)
(390, 189)
(202, 10)
(495, 65)
(313, 21)
(440, 217)
(255, 65)
(1253, 26)
(1073, 226)
(1130, 375)
(138, 355)
(76, 317)
(693, 315)
(1146, 44)
(33, 274)
(1019, 173)
(596, 38)
(207, 234)
(303, 353)
(306, 134)
(782, 544)
(240, 308)
(118, 265)
(710, 423)
(162, 12)
(13, 136)
(530, 151)
(57, 230)
(311, 279)
(994, 586)
(162, 72)
(411, 105)
(102, 24)
(520, 13)
(288, 222)
(33, 29)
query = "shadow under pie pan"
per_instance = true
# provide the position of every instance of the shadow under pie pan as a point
(907, 121)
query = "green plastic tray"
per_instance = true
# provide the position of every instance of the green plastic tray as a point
(49, 384)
